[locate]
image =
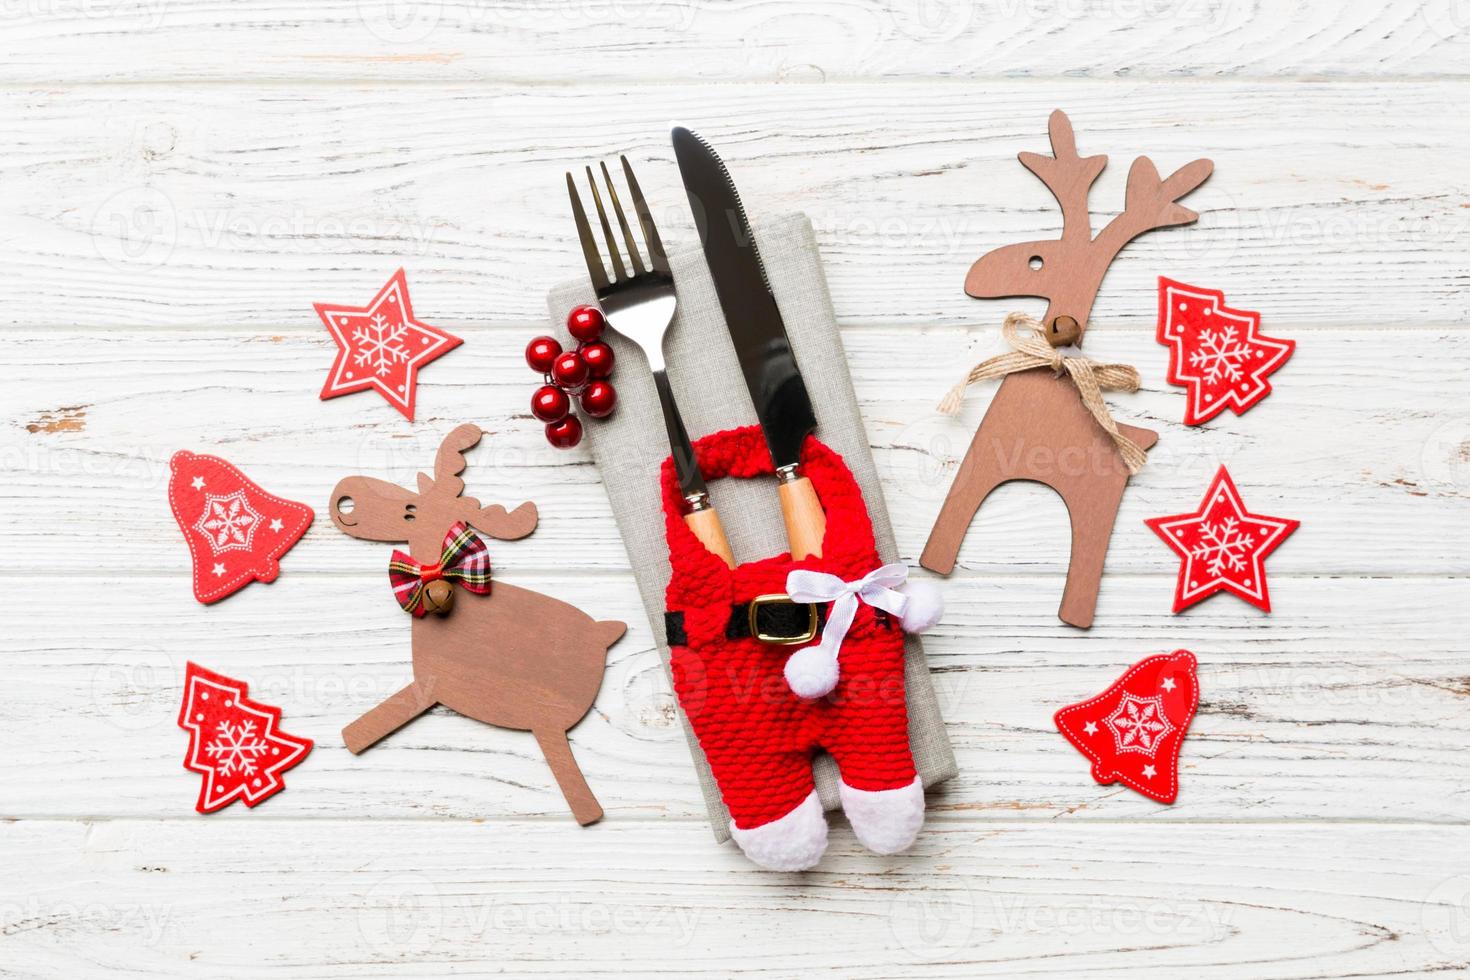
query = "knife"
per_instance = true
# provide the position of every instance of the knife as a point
(759, 334)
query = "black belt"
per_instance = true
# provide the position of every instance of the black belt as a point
(773, 619)
(770, 618)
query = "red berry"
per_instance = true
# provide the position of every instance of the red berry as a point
(550, 404)
(569, 370)
(586, 323)
(541, 352)
(599, 399)
(599, 358)
(564, 434)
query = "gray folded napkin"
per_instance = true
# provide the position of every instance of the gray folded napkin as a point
(705, 374)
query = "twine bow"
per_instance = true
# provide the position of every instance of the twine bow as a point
(1091, 378)
(812, 671)
(463, 559)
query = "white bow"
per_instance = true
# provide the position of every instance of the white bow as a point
(812, 671)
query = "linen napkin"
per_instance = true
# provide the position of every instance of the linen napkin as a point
(705, 374)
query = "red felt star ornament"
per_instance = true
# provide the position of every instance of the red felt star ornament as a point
(382, 346)
(1222, 546)
(1217, 353)
(1132, 732)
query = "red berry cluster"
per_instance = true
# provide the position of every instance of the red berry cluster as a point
(582, 372)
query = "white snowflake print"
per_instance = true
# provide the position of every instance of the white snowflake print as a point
(1139, 724)
(1221, 354)
(380, 344)
(1222, 546)
(228, 522)
(236, 748)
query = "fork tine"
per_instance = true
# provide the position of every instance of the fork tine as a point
(656, 255)
(612, 244)
(612, 195)
(590, 253)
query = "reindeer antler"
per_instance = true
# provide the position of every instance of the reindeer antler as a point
(1066, 271)
(1150, 202)
(449, 461)
(1068, 176)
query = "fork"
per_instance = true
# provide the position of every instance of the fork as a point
(638, 302)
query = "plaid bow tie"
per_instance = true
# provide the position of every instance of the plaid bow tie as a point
(465, 560)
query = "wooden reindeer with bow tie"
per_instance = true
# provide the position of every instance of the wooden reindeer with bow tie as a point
(1047, 422)
(505, 656)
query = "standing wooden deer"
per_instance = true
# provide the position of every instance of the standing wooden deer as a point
(511, 658)
(1037, 427)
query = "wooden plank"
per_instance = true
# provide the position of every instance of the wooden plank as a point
(221, 897)
(1348, 703)
(806, 41)
(1363, 440)
(230, 206)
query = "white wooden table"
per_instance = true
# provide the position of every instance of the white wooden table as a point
(180, 180)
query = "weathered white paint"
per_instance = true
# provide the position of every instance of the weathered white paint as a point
(164, 240)
(552, 41)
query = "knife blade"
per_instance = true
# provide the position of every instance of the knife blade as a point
(758, 332)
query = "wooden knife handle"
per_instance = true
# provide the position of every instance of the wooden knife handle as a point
(707, 528)
(806, 523)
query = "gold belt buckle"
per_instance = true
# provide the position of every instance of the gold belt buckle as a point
(770, 599)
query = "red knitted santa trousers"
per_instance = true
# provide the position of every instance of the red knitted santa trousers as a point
(758, 736)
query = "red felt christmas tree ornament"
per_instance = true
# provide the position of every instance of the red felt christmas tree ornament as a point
(234, 742)
(236, 532)
(1217, 353)
(1132, 732)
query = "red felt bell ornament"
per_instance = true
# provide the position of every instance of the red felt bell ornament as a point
(236, 531)
(1132, 731)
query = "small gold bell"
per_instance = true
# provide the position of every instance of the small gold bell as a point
(438, 597)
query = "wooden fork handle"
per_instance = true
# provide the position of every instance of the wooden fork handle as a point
(707, 529)
(806, 523)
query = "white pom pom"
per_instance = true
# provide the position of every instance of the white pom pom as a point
(924, 607)
(811, 672)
